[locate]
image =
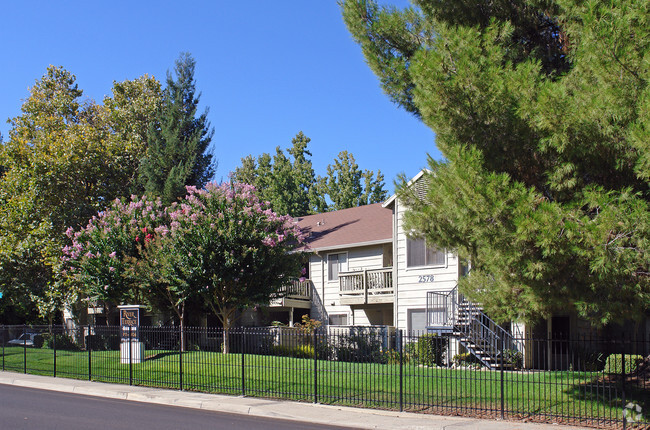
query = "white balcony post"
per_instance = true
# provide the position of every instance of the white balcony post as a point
(365, 286)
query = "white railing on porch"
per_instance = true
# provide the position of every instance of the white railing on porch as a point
(365, 282)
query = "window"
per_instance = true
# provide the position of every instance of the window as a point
(340, 319)
(418, 254)
(336, 263)
(417, 320)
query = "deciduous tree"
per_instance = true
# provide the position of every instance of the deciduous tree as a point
(64, 161)
(287, 182)
(343, 183)
(228, 248)
(291, 185)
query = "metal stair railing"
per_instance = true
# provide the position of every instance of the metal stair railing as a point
(475, 330)
(442, 309)
(484, 333)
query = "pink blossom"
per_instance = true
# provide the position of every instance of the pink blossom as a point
(268, 241)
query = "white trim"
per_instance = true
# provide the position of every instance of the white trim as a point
(349, 245)
(392, 198)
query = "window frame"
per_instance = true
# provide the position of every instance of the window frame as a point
(347, 265)
(426, 248)
(342, 314)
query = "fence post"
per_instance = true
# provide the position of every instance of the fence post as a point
(315, 366)
(130, 356)
(180, 358)
(54, 348)
(24, 348)
(400, 334)
(3, 348)
(503, 395)
(89, 348)
(243, 362)
(623, 384)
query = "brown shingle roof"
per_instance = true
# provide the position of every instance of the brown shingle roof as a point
(347, 227)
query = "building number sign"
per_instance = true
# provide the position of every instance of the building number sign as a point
(422, 279)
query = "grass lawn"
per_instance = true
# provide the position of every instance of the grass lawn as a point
(545, 395)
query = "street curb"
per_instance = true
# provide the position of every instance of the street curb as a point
(268, 408)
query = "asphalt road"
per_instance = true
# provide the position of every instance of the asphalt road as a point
(29, 408)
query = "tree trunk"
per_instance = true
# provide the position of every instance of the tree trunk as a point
(227, 320)
(226, 331)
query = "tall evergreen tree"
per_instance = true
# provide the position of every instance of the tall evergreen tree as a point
(178, 141)
(540, 109)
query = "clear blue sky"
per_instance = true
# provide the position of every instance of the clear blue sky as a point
(265, 69)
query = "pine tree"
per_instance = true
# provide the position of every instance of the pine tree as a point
(540, 109)
(177, 155)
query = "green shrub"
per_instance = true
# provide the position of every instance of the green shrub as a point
(98, 342)
(614, 363)
(392, 357)
(361, 345)
(430, 350)
(300, 351)
(63, 342)
(303, 351)
(589, 361)
(513, 358)
(38, 341)
(465, 359)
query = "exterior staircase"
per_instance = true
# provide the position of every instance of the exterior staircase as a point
(452, 314)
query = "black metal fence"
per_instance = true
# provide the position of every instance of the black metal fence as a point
(585, 381)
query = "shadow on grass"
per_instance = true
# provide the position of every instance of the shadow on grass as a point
(159, 355)
(606, 391)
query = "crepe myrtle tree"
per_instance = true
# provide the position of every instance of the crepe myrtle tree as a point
(228, 248)
(104, 259)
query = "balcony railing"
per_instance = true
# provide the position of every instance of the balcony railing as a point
(297, 289)
(366, 286)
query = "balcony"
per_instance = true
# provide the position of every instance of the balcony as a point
(297, 294)
(366, 287)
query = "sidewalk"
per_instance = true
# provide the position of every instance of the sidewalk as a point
(307, 412)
